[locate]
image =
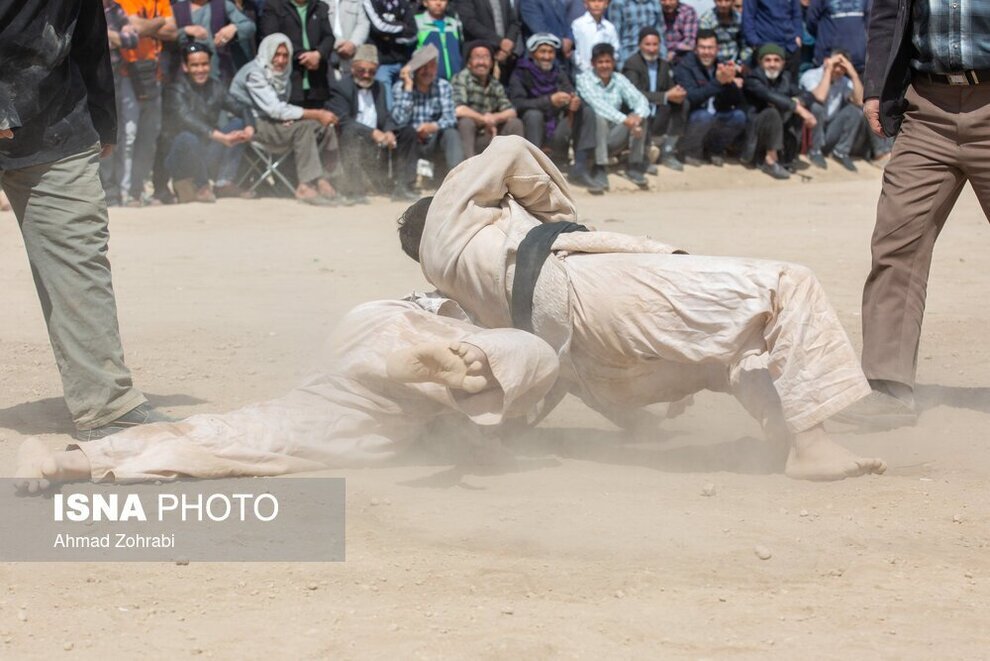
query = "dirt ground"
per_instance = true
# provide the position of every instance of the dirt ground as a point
(590, 547)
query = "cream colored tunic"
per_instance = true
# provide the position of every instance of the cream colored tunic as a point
(349, 413)
(633, 323)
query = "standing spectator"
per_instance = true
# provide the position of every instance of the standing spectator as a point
(200, 146)
(141, 96)
(629, 18)
(590, 29)
(552, 112)
(393, 33)
(483, 108)
(436, 26)
(121, 35)
(778, 112)
(57, 116)
(608, 93)
(652, 75)
(716, 119)
(426, 103)
(494, 21)
(552, 16)
(217, 22)
(307, 25)
(265, 85)
(681, 23)
(775, 22)
(837, 107)
(350, 27)
(839, 25)
(726, 22)
(368, 134)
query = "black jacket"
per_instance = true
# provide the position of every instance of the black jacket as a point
(58, 100)
(638, 72)
(888, 60)
(479, 20)
(702, 85)
(393, 29)
(522, 80)
(344, 104)
(187, 107)
(762, 92)
(281, 16)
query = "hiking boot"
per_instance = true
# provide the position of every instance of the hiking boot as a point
(141, 415)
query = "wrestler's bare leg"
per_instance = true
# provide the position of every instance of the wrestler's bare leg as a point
(457, 365)
(815, 456)
(38, 467)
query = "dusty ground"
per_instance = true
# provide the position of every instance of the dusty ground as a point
(592, 547)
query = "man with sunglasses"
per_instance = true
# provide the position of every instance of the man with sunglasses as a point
(200, 147)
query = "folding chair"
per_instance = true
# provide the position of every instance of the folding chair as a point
(262, 166)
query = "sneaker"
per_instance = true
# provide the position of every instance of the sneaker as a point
(588, 182)
(878, 411)
(717, 160)
(844, 161)
(818, 159)
(141, 415)
(775, 170)
(669, 160)
(637, 178)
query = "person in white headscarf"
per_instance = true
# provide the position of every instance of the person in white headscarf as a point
(264, 85)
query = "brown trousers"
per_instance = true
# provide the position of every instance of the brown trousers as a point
(944, 141)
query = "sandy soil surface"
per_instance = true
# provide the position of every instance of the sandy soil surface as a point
(591, 546)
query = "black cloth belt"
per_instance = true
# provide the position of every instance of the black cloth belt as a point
(532, 252)
(963, 78)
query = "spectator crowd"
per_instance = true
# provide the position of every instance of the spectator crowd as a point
(347, 98)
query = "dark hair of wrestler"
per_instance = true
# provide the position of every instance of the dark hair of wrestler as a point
(411, 224)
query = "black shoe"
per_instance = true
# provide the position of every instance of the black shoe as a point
(717, 160)
(637, 178)
(844, 161)
(693, 161)
(403, 194)
(586, 181)
(669, 160)
(141, 415)
(818, 159)
(775, 170)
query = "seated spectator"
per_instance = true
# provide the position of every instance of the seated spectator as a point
(837, 105)
(368, 134)
(591, 29)
(716, 119)
(312, 46)
(438, 27)
(629, 18)
(668, 101)
(608, 93)
(199, 146)
(264, 84)
(681, 28)
(231, 32)
(726, 22)
(778, 111)
(496, 22)
(425, 102)
(393, 33)
(542, 92)
(839, 25)
(483, 108)
(779, 22)
(350, 27)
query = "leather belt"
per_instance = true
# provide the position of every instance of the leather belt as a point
(963, 78)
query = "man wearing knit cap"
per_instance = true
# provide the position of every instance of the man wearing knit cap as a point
(425, 102)
(369, 138)
(778, 112)
(483, 108)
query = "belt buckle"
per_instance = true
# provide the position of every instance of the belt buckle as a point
(957, 78)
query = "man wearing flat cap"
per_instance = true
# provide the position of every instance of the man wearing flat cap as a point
(369, 137)
(552, 113)
(425, 102)
(779, 109)
(483, 108)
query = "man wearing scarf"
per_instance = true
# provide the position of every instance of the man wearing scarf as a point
(551, 111)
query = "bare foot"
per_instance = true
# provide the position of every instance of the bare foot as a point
(325, 188)
(305, 192)
(815, 456)
(457, 365)
(38, 467)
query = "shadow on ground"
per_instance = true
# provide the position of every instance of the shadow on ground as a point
(50, 416)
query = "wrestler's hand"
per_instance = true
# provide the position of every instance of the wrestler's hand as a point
(872, 111)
